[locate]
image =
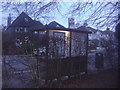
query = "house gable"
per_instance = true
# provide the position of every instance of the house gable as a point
(23, 20)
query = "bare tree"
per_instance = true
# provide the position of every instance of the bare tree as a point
(96, 13)
(37, 10)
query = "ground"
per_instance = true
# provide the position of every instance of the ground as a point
(103, 79)
(17, 74)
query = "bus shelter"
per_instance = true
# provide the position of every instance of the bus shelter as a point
(64, 52)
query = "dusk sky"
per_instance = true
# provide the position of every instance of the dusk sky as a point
(59, 17)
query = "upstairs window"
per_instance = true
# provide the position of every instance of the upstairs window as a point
(57, 26)
(26, 19)
(17, 30)
(25, 29)
(21, 29)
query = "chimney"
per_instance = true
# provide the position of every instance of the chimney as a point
(9, 20)
(71, 23)
(77, 25)
(85, 24)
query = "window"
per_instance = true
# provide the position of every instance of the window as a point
(17, 39)
(59, 44)
(35, 32)
(42, 32)
(26, 19)
(25, 29)
(57, 26)
(17, 30)
(21, 29)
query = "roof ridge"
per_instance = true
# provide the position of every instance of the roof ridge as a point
(54, 24)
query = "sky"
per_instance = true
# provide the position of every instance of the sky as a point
(59, 17)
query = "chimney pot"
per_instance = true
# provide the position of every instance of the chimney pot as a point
(9, 20)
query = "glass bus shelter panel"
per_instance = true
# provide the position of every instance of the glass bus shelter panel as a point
(57, 45)
(78, 44)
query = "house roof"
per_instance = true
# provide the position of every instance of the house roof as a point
(23, 20)
(91, 29)
(47, 27)
(95, 30)
(54, 24)
(107, 32)
(83, 28)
